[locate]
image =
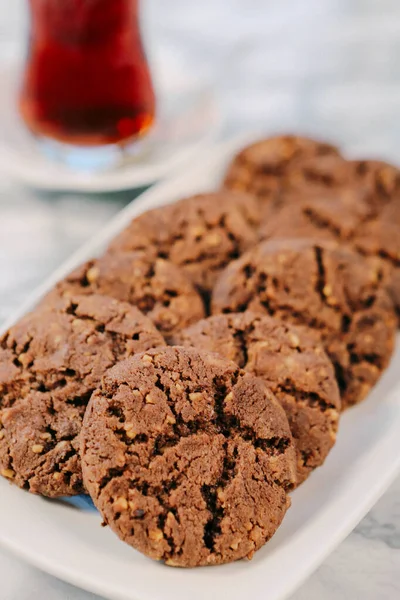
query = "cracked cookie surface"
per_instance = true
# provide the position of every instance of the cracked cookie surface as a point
(50, 363)
(260, 167)
(337, 294)
(154, 285)
(329, 215)
(200, 234)
(378, 181)
(347, 217)
(381, 180)
(187, 458)
(380, 237)
(293, 365)
(318, 173)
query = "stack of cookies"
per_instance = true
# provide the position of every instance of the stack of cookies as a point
(194, 374)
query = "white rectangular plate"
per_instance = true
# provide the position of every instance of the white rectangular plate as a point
(67, 541)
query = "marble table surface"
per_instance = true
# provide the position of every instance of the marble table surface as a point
(326, 68)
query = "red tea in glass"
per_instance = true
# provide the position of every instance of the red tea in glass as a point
(87, 80)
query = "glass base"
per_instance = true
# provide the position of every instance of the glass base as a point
(92, 159)
(188, 122)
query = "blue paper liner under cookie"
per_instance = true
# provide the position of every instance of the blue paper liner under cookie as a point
(82, 502)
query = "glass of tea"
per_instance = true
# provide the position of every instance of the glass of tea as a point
(86, 86)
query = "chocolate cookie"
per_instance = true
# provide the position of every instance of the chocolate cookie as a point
(331, 215)
(50, 363)
(260, 167)
(156, 286)
(343, 216)
(293, 366)
(187, 458)
(318, 174)
(381, 237)
(379, 181)
(332, 291)
(201, 234)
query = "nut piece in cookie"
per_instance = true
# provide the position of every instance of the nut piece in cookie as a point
(293, 365)
(201, 234)
(333, 291)
(154, 285)
(50, 363)
(188, 458)
(260, 168)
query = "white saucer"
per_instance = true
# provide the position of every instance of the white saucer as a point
(188, 122)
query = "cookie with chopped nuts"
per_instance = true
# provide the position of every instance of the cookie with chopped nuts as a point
(156, 286)
(200, 234)
(335, 215)
(315, 174)
(293, 365)
(188, 459)
(380, 179)
(260, 168)
(334, 292)
(346, 217)
(380, 237)
(50, 363)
